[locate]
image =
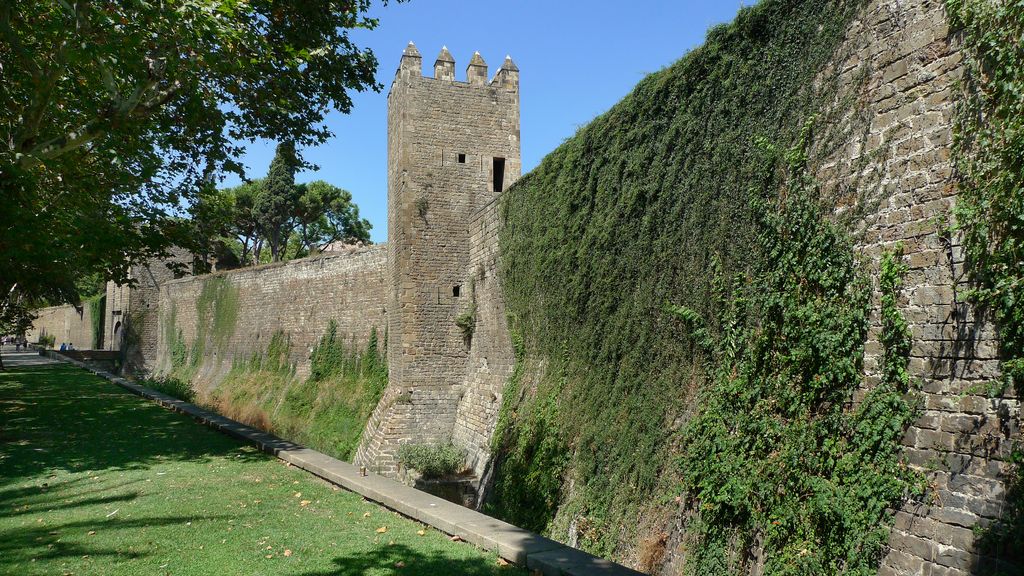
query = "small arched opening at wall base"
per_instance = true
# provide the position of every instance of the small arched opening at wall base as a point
(115, 342)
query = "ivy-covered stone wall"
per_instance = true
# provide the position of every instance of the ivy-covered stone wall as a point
(612, 255)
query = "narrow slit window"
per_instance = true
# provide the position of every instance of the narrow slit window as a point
(462, 158)
(499, 174)
(456, 291)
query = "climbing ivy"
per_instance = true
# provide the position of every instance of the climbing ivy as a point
(97, 312)
(634, 211)
(776, 463)
(988, 149)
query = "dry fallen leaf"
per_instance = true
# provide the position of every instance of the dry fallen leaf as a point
(382, 529)
(269, 556)
(92, 532)
(298, 494)
(421, 532)
(502, 562)
(366, 514)
(304, 503)
(456, 538)
(399, 564)
(287, 552)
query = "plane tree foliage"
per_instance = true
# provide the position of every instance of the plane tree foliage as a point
(114, 115)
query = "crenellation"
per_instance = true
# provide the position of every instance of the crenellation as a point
(444, 66)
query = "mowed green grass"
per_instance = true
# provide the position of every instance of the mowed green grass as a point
(94, 480)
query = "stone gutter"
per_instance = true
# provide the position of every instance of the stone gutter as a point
(514, 544)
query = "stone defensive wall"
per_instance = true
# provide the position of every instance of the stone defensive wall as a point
(234, 314)
(435, 291)
(67, 324)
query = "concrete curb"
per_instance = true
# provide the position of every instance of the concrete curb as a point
(514, 544)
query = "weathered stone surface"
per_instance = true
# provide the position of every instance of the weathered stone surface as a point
(452, 148)
(897, 165)
(67, 324)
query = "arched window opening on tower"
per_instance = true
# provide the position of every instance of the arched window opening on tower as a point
(499, 174)
(456, 291)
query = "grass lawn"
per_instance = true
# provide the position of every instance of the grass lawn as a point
(94, 480)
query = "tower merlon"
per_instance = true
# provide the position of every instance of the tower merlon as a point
(444, 66)
(412, 61)
(476, 72)
(507, 76)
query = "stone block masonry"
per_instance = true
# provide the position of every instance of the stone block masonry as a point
(491, 356)
(899, 67)
(297, 298)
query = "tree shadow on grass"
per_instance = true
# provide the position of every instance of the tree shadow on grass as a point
(58, 425)
(53, 541)
(398, 559)
(60, 418)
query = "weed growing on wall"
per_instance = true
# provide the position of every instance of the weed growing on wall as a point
(327, 411)
(432, 460)
(633, 212)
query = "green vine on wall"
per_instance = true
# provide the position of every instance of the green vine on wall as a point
(97, 313)
(216, 314)
(636, 210)
(776, 463)
(988, 150)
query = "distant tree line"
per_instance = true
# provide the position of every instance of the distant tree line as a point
(272, 219)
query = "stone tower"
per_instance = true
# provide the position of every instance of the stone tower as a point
(453, 147)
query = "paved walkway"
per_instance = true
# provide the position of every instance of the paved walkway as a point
(13, 358)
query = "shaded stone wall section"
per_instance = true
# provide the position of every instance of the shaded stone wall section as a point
(491, 356)
(67, 324)
(140, 341)
(116, 316)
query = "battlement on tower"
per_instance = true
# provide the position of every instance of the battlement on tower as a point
(411, 66)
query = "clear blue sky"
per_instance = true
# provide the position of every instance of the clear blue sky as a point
(576, 59)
